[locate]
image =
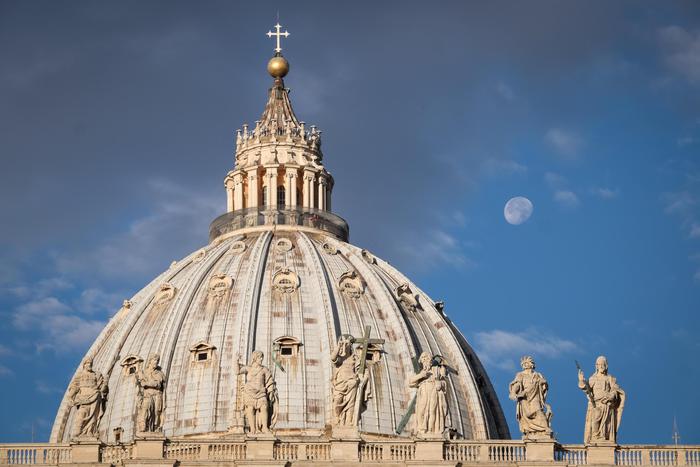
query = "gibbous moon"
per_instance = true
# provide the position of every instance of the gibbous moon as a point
(517, 210)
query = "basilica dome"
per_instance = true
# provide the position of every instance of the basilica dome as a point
(280, 276)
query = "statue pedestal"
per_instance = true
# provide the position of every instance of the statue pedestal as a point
(85, 450)
(427, 450)
(345, 449)
(260, 447)
(237, 425)
(601, 453)
(148, 445)
(539, 450)
(344, 433)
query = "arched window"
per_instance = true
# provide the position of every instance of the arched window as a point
(280, 196)
(264, 193)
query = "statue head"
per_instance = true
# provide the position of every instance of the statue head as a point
(601, 365)
(153, 361)
(345, 344)
(426, 360)
(87, 364)
(258, 357)
(527, 362)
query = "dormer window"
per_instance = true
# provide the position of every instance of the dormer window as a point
(130, 365)
(202, 352)
(287, 346)
(374, 353)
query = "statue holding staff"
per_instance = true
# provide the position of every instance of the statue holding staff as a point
(88, 393)
(151, 406)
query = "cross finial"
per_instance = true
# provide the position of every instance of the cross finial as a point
(277, 35)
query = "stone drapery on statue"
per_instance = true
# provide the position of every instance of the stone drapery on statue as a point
(350, 389)
(88, 393)
(431, 403)
(151, 403)
(606, 400)
(258, 395)
(529, 391)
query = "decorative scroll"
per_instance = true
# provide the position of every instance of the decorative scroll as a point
(351, 284)
(165, 293)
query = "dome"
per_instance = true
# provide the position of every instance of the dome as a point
(279, 276)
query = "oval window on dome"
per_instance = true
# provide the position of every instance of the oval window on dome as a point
(285, 281)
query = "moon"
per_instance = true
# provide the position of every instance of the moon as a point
(517, 210)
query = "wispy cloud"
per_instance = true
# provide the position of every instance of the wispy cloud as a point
(437, 247)
(686, 141)
(604, 192)
(493, 166)
(503, 349)
(565, 143)
(554, 180)
(681, 49)
(566, 198)
(505, 91)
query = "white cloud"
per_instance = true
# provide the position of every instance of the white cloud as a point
(175, 226)
(554, 180)
(566, 198)
(505, 91)
(503, 349)
(435, 248)
(565, 143)
(60, 329)
(685, 141)
(682, 51)
(605, 193)
(493, 166)
(5, 372)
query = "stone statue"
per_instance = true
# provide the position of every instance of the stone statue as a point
(606, 400)
(151, 406)
(350, 389)
(259, 394)
(431, 403)
(529, 391)
(88, 393)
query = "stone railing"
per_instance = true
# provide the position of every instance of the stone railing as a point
(283, 215)
(329, 452)
(35, 454)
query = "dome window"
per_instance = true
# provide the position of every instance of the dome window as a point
(238, 247)
(285, 281)
(374, 353)
(130, 365)
(283, 245)
(219, 285)
(202, 352)
(286, 346)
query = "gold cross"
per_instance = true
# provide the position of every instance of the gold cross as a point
(278, 34)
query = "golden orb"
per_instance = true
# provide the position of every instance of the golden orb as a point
(278, 67)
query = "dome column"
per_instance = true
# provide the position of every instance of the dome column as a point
(290, 186)
(252, 175)
(271, 185)
(237, 190)
(230, 191)
(322, 184)
(309, 177)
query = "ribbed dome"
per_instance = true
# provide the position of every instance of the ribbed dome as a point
(244, 293)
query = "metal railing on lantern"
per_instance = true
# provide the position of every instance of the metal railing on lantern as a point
(279, 215)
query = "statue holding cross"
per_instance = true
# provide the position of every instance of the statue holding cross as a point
(350, 378)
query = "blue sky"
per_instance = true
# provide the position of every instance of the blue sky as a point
(117, 124)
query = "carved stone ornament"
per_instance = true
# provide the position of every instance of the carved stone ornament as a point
(199, 256)
(165, 293)
(407, 298)
(329, 249)
(238, 247)
(351, 284)
(285, 281)
(126, 306)
(367, 256)
(220, 284)
(130, 364)
(173, 264)
(283, 245)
